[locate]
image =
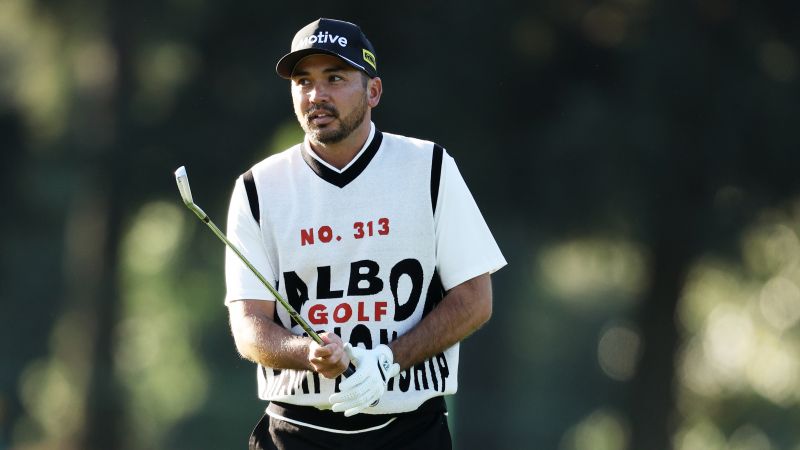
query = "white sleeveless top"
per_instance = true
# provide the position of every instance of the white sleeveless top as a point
(364, 252)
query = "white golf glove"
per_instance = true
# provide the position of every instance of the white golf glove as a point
(374, 368)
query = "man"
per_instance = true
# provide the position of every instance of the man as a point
(375, 239)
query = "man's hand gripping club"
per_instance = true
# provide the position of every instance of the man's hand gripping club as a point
(329, 360)
(365, 388)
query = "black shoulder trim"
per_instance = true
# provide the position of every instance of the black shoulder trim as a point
(252, 195)
(436, 173)
(342, 179)
(434, 295)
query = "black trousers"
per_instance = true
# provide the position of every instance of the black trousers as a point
(424, 429)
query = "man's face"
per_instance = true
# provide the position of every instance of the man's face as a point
(329, 97)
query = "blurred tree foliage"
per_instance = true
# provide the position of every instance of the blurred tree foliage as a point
(636, 160)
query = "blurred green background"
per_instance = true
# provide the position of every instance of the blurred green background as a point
(637, 161)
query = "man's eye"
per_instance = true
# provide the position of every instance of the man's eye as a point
(336, 78)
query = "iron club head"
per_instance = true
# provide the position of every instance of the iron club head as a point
(182, 178)
(186, 193)
(183, 185)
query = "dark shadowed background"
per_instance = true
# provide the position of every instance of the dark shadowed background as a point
(637, 161)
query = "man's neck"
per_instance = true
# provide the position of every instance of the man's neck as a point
(341, 153)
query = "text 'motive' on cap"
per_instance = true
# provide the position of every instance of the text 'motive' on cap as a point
(331, 37)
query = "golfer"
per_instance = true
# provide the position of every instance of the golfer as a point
(375, 239)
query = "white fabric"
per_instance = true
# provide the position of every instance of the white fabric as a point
(244, 233)
(307, 240)
(465, 247)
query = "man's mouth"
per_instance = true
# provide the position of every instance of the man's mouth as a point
(321, 117)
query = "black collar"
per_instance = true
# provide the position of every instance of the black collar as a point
(341, 179)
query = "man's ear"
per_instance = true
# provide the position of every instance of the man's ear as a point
(374, 91)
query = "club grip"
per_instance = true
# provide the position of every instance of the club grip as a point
(350, 371)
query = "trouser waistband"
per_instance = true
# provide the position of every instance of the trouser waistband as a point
(329, 419)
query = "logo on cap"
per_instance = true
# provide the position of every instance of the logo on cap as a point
(369, 58)
(323, 38)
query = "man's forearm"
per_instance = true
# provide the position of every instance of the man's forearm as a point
(261, 340)
(462, 311)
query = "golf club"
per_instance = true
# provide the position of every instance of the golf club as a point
(182, 179)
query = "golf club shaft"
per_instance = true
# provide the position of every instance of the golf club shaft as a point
(292, 312)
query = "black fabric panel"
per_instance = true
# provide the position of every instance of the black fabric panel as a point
(436, 173)
(252, 195)
(344, 178)
(434, 295)
(337, 421)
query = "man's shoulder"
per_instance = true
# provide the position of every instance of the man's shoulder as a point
(408, 143)
(277, 161)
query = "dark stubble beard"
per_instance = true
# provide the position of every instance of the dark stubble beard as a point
(330, 134)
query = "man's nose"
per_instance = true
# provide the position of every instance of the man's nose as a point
(318, 94)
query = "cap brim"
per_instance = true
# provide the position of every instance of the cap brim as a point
(285, 65)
